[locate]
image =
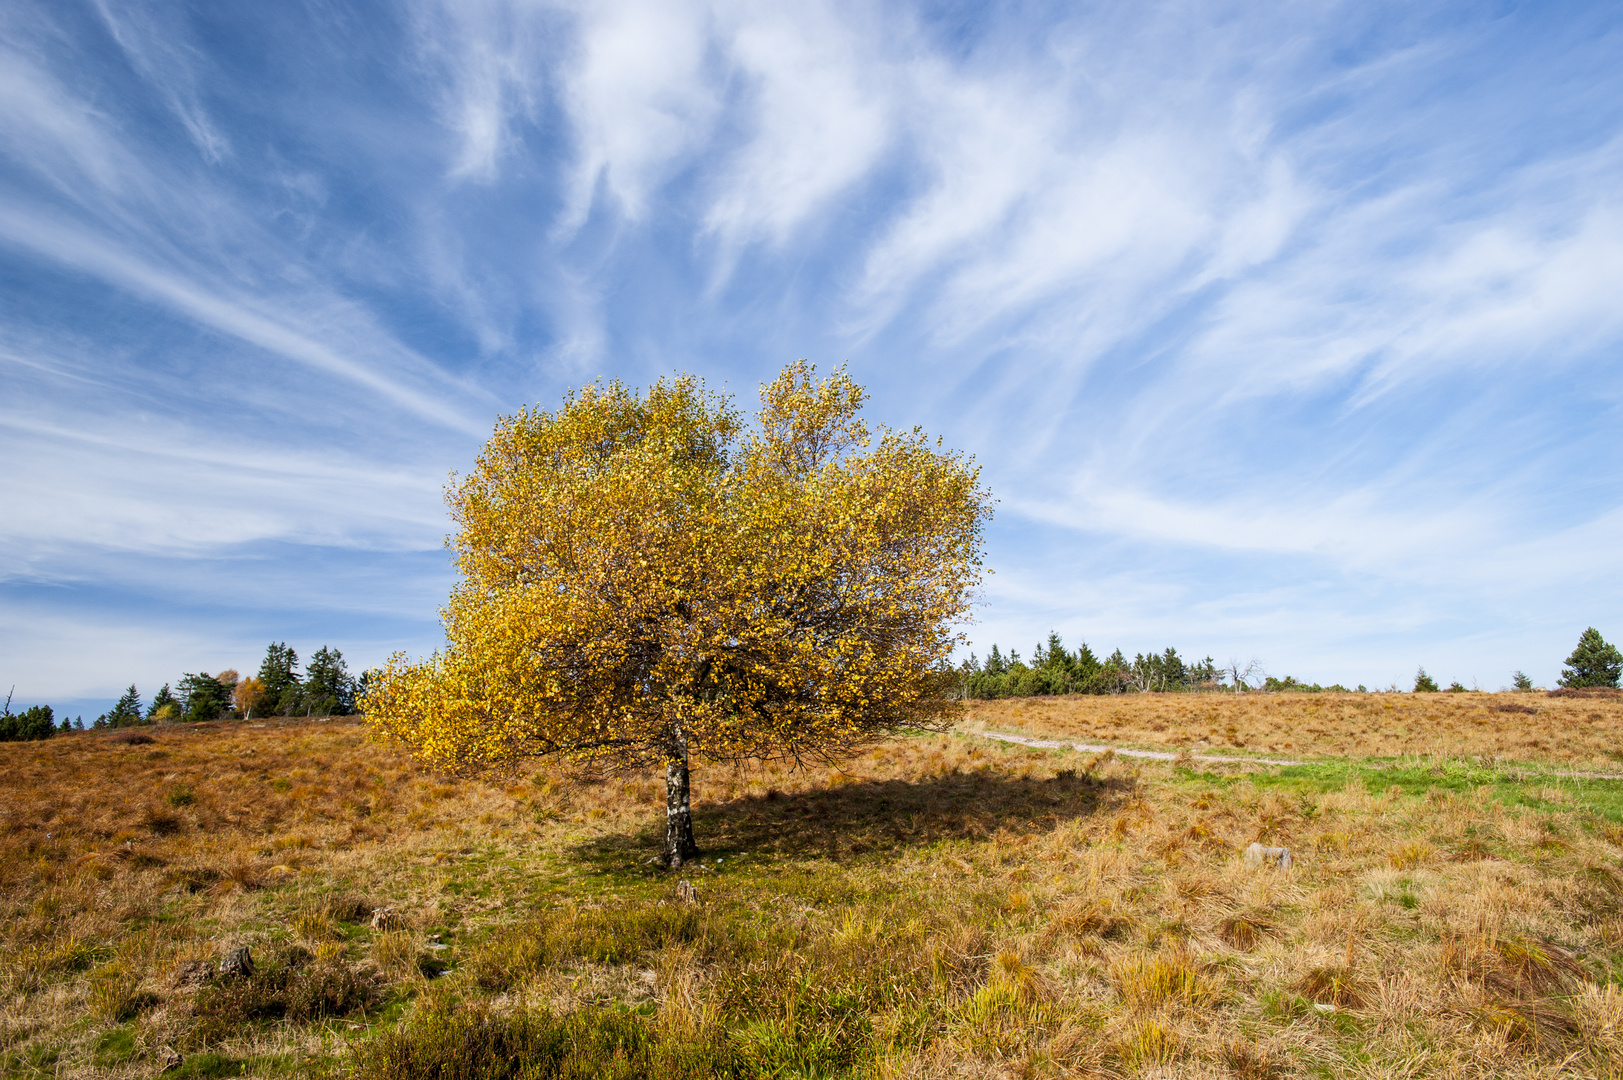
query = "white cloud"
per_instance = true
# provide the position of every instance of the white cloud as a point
(639, 94)
(492, 55)
(55, 133)
(818, 118)
(147, 486)
(157, 47)
(986, 145)
(248, 320)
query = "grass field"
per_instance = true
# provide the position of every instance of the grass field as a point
(942, 906)
(1578, 732)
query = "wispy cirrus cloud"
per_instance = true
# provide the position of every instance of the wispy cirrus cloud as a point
(244, 318)
(1291, 320)
(154, 38)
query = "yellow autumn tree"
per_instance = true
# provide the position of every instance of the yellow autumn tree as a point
(647, 581)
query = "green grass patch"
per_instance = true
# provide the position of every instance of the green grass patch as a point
(115, 1047)
(1512, 787)
(209, 1065)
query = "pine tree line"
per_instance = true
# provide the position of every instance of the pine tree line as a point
(34, 722)
(325, 688)
(1054, 669)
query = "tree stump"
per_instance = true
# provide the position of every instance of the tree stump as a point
(387, 919)
(686, 893)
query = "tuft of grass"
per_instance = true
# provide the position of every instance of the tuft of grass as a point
(1167, 978)
(602, 1044)
(1146, 1042)
(1248, 1059)
(1337, 985)
(1244, 931)
(1525, 1024)
(1520, 965)
(1408, 855)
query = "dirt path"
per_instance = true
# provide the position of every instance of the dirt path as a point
(1154, 755)
(1166, 755)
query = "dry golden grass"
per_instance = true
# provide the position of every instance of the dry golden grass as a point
(1577, 732)
(941, 907)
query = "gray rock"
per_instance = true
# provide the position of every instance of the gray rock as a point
(1257, 855)
(237, 962)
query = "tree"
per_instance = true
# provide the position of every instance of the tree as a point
(279, 675)
(164, 706)
(1423, 683)
(249, 695)
(1594, 662)
(644, 582)
(1521, 681)
(125, 712)
(1240, 676)
(328, 688)
(205, 696)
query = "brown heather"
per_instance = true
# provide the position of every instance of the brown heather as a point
(943, 906)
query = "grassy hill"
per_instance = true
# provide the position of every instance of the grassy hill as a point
(942, 906)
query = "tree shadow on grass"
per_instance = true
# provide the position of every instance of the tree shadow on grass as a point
(872, 816)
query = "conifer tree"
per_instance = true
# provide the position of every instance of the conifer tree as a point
(328, 688)
(279, 675)
(205, 696)
(1595, 662)
(1423, 683)
(125, 712)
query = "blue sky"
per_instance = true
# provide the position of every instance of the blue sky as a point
(1288, 332)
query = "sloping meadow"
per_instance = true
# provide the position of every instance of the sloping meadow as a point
(941, 906)
(1581, 730)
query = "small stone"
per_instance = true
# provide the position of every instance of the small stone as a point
(1257, 855)
(237, 962)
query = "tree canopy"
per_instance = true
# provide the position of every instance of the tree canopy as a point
(329, 689)
(34, 722)
(124, 713)
(278, 678)
(643, 578)
(206, 696)
(1595, 662)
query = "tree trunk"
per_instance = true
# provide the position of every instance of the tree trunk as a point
(679, 845)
